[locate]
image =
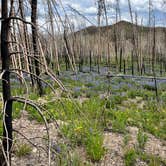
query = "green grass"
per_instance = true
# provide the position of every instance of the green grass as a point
(17, 108)
(119, 122)
(94, 146)
(86, 130)
(23, 150)
(83, 134)
(142, 139)
(126, 139)
(151, 160)
(130, 157)
(86, 120)
(150, 121)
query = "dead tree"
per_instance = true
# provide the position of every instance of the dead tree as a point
(34, 40)
(6, 89)
(21, 8)
(101, 10)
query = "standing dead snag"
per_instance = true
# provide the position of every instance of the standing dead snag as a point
(5, 57)
(26, 37)
(34, 40)
(101, 9)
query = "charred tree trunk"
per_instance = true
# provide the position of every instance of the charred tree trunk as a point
(132, 63)
(21, 8)
(68, 51)
(124, 66)
(90, 60)
(153, 61)
(116, 48)
(120, 63)
(5, 57)
(34, 40)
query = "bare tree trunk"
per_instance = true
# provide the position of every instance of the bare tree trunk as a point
(153, 61)
(34, 38)
(90, 60)
(28, 59)
(5, 57)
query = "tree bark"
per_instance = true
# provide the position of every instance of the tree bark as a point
(34, 40)
(5, 57)
(29, 61)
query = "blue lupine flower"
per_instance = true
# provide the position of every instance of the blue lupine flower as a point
(90, 130)
(58, 149)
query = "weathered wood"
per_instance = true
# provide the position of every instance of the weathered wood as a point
(6, 89)
(34, 40)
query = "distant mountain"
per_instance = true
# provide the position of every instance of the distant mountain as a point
(124, 34)
(123, 25)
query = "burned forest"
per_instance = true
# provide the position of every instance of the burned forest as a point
(83, 83)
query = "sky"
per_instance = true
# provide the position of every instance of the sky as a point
(89, 9)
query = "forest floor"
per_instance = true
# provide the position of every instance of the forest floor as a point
(113, 142)
(99, 121)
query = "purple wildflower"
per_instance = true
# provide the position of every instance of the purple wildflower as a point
(91, 130)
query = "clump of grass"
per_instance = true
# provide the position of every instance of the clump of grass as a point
(17, 107)
(119, 122)
(142, 139)
(163, 96)
(82, 133)
(130, 157)
(89, 84)
(33, 96)
(64, 94)
(152, 105)
(133, 93)
(69, 82)
(150, 121)
(116, 100)
(76, 94)
(126, 139)
(74, 131)
(91, 94)
(23, 150)
(145, 94)
(60, 154)
(151, 160)
(18, 91)
(149, 87)
(94, 146)
(34, 114)
(76, 160)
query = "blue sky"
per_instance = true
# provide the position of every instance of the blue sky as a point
(88, 8)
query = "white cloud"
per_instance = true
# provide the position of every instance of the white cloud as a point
(89, 9)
